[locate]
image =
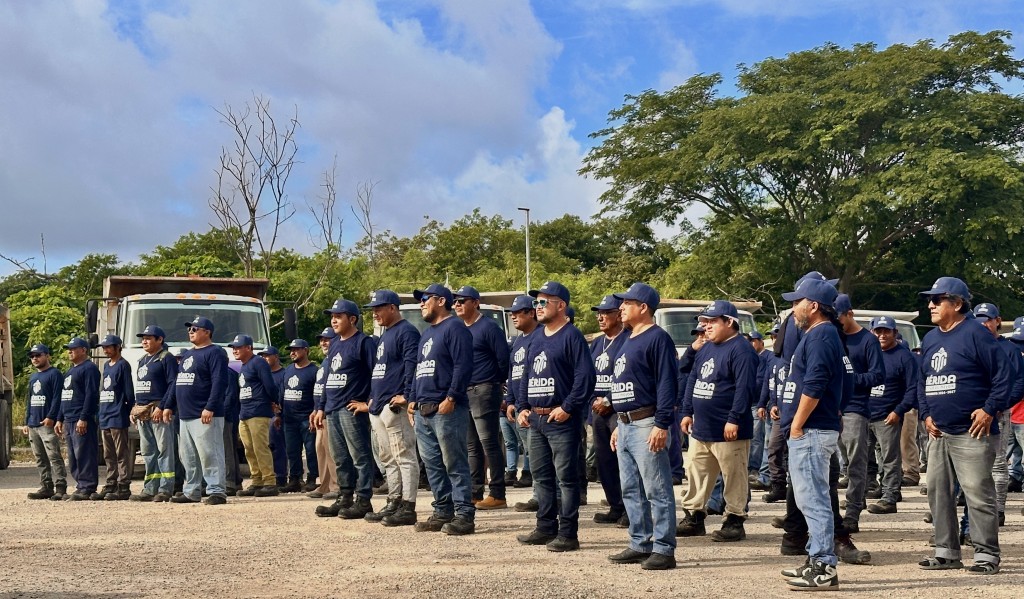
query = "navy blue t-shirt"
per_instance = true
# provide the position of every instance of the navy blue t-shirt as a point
(395, 365)
(604, 353)
(154, 378)
(559, 372)
(445, 363)
(865, 355)
(318, 386)
(817, 369)
(517, 365)
(297, 392)
(232, 405)
(899, 391)
(80, 398)
(962, 369)
(1015, 361)
(117, 395)
(349, 365)
(490, 352)
(201, 381)
(646, 374)
(44, 388)
(720, 389)
(257, 392)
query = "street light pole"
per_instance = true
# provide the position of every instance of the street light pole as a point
(527, 211)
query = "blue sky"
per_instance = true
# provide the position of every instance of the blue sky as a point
(111, 137)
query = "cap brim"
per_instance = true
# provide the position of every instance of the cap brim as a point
(418, 294)
(793, 296)
(625, 296)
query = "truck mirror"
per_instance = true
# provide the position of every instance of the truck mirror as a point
(290, 327)
(91, 310)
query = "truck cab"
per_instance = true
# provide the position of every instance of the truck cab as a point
(679, 317)
(6, 388)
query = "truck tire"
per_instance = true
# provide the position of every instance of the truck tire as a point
(5, 434)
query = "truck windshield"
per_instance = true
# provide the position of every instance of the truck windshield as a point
(680, 323)
(229, 319)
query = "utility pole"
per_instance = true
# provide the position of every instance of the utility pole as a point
(527, 211)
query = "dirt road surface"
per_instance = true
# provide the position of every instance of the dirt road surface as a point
(276, 547)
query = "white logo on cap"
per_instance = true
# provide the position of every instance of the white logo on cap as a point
(707, 368)
(620, 366)
(106, 382)
(939, 359)
(187, 364)
(540, 363)
(142, 372)
(983, 309)
(293, 382)
(37, 387)
(373, 297)
(427, 347)
(602, 361)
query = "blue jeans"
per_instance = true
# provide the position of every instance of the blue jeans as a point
(809, 473)
(763, 472)
(83, 455)
(441, 440)
(556, 448)
(296, 437)
(514, 442)
(156, 444)
(757, 443)
(646, 490)
(350, 446)
(1015, 449)
(202, 454)
(964, 459)
(278, 450)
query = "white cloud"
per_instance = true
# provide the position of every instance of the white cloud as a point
(682, 64)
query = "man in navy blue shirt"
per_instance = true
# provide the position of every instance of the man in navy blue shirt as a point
(117, 396)
(296, 407)
(553, 400)
(277, 440)
(605, 350)
(327, 487)
(644, 391)
(257, 395)
(154, 383)
(809, 414)
(965, 383)
(44, 390)
(865, 356)
(524, 319)
(390, 390)
(440, 408)
(716, 414)
(887, 405)
(78, 408)
(490, 372)
(345, 407)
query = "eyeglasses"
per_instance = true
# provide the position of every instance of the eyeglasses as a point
(938, 299)
(426, 298)
(194, 329)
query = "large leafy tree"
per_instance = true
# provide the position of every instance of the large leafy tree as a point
(879, 167)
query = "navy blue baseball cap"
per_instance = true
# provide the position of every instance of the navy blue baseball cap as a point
(815, 290)
(1018, 323)
(39, 348)
(241, 341)
(1016, 335)
(383, 297)
(552, 288)
(608, 302)
(270, 351)
(467, 291)
(755, 334)
(76, 343)
(111, 340)
(151, 330)
(643, 293)
(201, 322)
(435, 289)
(986, 311)
(948, 286)
(817, 276)
(327, 333)
(842, 304)
(522, 302)
(298, 344)
(720, 308)
(882, 322)
(343, 306)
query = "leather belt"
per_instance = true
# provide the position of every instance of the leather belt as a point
(637, 414)
(542, 411)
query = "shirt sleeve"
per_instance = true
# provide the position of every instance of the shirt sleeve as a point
(667, 389)
(127, 385)
(91, 391)
(499, 345)
(410, 354)
(584, 376)
(745, 367)
(56, 384)
(875, 374)
(218, 381)
(460, 345)
(911, 374)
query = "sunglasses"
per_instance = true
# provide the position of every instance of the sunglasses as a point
(426, 298)
(542, 303)
(461, 301)
(194, 329)
(938, 299)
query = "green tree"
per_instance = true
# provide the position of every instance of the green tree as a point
(837, 159)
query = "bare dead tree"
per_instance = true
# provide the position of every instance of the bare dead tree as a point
(250, 198)
(27, 265)
(326, 235)
(364, 204)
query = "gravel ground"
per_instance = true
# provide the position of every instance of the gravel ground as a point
(277, 547)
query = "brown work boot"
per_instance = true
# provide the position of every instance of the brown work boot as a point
(491, 503)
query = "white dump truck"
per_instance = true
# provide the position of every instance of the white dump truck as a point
(6, 388)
